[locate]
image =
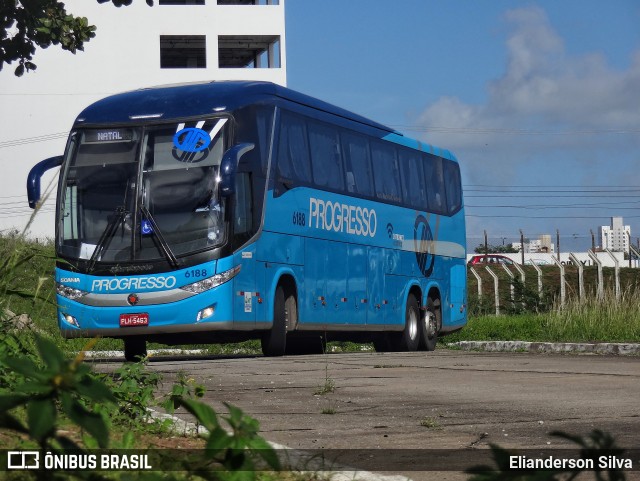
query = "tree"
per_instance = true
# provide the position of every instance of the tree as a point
(496, 249)
(27, 24)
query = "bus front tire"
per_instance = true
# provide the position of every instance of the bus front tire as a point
(274, 341)
(135, 349)
(409, 338)
(429, 326)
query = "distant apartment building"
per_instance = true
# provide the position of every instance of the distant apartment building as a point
(175, 41)
(615, 237)
(534, 246)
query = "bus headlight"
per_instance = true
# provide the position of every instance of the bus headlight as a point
(211, 282)
(69, 319)
(206, 313)
(69, 292)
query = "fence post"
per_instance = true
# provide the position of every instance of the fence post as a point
(563, 290)
(511, 276)
(495, 289)
(539, 271)
(520, 271)
(580, 267)
(617, 272)
(479, 279)
(594, 258)
(637, 254)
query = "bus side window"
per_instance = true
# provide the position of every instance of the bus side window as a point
(293, 153)
(358, 164)
(452, 184)
(386, 172)
(412, 179)
(243, 214)
(326, 158)
(435, 184)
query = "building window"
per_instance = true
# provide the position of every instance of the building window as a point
(183, 51)
(181, 2)
(245, 51)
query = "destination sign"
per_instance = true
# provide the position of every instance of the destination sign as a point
(112, 135)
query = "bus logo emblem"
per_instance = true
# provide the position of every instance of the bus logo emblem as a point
(423, 245)
(133, 299)
(191, 139)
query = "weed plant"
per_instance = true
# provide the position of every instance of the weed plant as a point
(606, 319)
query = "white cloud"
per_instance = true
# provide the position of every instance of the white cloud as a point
(542, 90)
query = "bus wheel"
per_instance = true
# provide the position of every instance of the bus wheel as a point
(409, 338)
(429, 326)
(274, 341)
(135, 349)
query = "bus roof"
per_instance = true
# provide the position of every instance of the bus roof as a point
(199, 99)
(168, 102)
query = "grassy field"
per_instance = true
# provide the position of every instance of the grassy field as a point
(27, 287)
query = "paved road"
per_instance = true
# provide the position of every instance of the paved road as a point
(443, 399)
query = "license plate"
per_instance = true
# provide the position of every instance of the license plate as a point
(129, 320)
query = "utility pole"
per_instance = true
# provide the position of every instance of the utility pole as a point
(521, 248)
(486, 244)
(558, 242)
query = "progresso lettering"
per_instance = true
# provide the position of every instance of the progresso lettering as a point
(133, 284)
(337, 217)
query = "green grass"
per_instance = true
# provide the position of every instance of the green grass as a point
(608, 320)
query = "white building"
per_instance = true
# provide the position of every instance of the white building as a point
(534, 246)
(615, 237)
(175, 41)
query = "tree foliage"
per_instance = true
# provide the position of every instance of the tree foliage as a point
(28, 24)
(495, 249)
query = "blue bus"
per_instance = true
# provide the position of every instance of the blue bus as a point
(227, 211)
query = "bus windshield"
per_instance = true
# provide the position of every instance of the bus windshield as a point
(149, 193)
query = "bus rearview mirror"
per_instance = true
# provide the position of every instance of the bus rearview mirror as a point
(229, 166)
(35, 174)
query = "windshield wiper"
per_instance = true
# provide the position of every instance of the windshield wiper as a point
(120, 214)
(166, 249)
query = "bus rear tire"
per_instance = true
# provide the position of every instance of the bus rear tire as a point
(274, 341)
(429, 326)
(135, 349)
(409, 338)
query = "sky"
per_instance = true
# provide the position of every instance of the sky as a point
(539, 101)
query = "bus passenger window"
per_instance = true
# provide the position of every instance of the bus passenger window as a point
(386, 173)
(413, 179)
(243, 214)
(293, 154)
(326, 159)
(435, 184)
(358, 164)
(454, 189)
